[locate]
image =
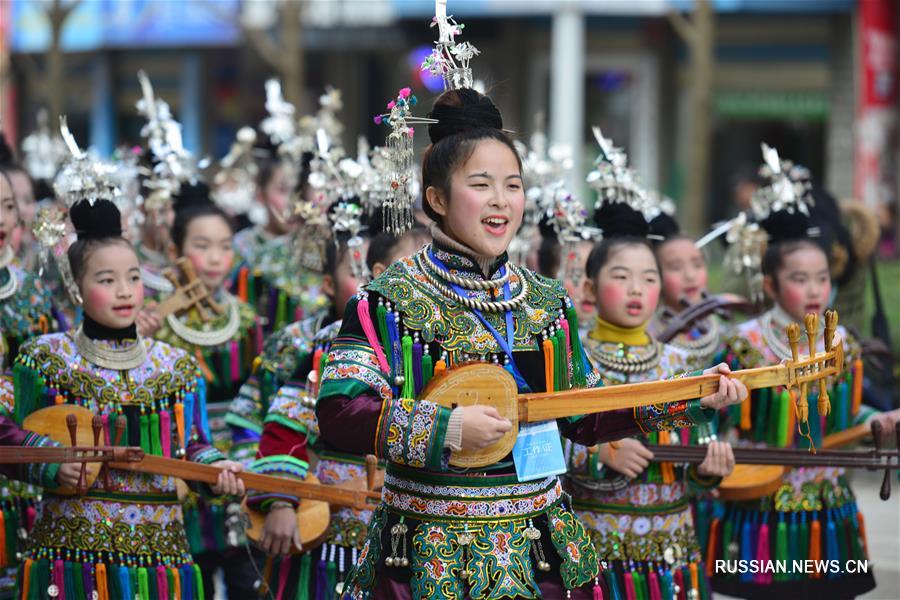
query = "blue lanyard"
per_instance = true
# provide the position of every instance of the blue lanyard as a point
(505, 344)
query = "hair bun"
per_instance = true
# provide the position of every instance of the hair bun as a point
(618, 219)
(191, 195)
(462, 110)
(7, 157)
(664, 226)
(100, 221)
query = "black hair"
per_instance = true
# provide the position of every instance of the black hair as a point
(549, 253)
(193, 202)
(465, 117)
(335, 251)
(622, 226)
(97, 226)
(384, 243)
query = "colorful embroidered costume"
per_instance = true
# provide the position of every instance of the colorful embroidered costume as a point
(282, 355)
(26, 308)
(224, 361)
(289, 430)
(813, 515)
(702, 348)
(268, 279)
(643, 529)
(441, 531)
(123, 541)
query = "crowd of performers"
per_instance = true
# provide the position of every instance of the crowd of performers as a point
(332, 289)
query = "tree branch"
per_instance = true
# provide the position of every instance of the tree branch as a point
(264, 46)
(684, 28)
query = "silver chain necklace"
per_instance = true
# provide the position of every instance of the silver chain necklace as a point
(628, 366)
(122, 358)
(464, 282)
(216, 337)
(472, 303)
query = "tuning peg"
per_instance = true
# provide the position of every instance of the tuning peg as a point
(885, 491)
(72, 425)
(793, 335)
(119, 431)
(831, 320)
(812, 331)
(371, 467)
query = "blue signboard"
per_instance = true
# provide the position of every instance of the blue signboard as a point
(98, 24)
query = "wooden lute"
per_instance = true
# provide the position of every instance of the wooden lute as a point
(487, 384)
(759, 471)
(189, 293)
(55, 423)
(720, 303)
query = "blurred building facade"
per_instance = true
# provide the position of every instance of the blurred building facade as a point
(787, 72)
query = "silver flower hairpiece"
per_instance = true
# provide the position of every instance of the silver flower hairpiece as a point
(43, 152)
(450, 59)
(235, 183)
(614, 180)
(788, 186)
(398, 161)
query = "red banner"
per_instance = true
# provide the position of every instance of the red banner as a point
(876, 143)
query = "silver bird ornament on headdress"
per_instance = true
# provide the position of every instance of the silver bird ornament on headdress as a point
(450, 59)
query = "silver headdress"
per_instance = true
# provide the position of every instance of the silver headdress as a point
(43, 152)
(398, 159)
(450, 59)
(235, 183)
(172, 163)
(788, 187)
(333, 205)
(82, 179)
(614, 180)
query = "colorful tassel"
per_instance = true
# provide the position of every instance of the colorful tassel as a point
(87, 581)
(762, 553)
(785, 408)
(176, 584)
(597, 592)
(155, 441)
(695, 577)
(409, 383)
(165, 428)
(815, 544)
(667, 583)
(303, 577)
(782, 551)
(711, 546)
(330, 578)
(578, 358)
(629, 586)
(427, 369)
(417, 368)
(857, 385)
(199, 592)
(679, 583)
(547, 347)
(653, 584)
(26, 577)
(746, 424)
(440, 367)
(746, 547)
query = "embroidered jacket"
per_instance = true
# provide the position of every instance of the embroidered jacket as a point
(702, 349)
(224, 368)
(27, 312)
(129, 539)
(282, 355)
(642, 525)
(813, 514)
(268, 278)
(471, 532)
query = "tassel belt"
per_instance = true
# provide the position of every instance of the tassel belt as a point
(458, 498)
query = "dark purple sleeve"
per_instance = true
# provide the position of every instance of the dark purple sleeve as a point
(601, 427)
(12, 435)
(349, 424)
